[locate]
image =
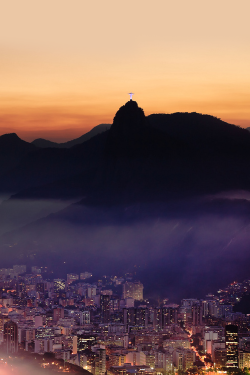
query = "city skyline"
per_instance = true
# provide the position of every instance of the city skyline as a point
(93, 326)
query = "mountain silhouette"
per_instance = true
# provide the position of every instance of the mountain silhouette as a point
(43, 143)
(12, 150)
(141, 158)
(45, 166)
(162, 156)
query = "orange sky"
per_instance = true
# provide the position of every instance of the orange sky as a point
(66, 66)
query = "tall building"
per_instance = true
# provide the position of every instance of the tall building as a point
(105, 307)
(231, 332)
(197, 314)
(58, 313)
(158, 319)
(141, 317)
(84, 342)
(84, 317)
(40, 287)
(163, 317)
(133, 290)
(244, 359)
(10, 337)
(136, 316)
(220, 357)
(170, 315)
(59, 285)
(210, 308)
(100, 362)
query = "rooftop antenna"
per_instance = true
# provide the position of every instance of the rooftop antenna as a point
(131, 95)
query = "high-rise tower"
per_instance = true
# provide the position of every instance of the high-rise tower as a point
(231, 345)
(10, 337)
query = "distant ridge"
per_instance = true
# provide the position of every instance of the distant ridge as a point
(44, 143)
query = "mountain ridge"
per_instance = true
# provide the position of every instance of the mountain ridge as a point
(43, 143)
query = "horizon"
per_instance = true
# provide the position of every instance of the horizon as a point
(61, 80)
(78, 133)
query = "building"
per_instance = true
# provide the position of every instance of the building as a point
(72, 277)
(85, 342)
(59, 285)
(58, 313)
(136, 358)
(85, 275)
(133, 290)
(10, 337)
(105, 308)
(197, 314)
(84, 317)
(231, 332)
(136, 316)
(189, 359)
(116, 359)
(40, 287)
(244, 359)
(100, 362)
(220, 357)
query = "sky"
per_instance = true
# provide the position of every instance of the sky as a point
(67, 66)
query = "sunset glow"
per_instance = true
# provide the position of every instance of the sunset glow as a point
(66, 68)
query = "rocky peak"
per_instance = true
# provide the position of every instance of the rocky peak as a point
(126, 130)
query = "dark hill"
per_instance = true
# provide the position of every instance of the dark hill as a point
(45, 166)
(243, 305)
(163, 156)
(142, 158)
(12, 150)
(43, 143)
(203, 131)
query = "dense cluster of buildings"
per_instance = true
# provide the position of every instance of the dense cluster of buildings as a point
(92, 326)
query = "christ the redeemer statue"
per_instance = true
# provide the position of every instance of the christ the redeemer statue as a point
(131, 94)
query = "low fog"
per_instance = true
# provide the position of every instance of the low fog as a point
(178, 250)
(21, 368)
(15, 213)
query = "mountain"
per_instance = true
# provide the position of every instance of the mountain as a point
(164, 156)
(203, 131)
(43, 143)
(140, 158)
(12, 150)
(45, 166)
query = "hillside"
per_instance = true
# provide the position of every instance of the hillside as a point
(43, 143)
